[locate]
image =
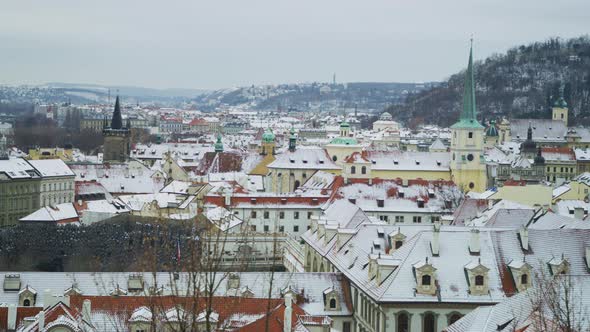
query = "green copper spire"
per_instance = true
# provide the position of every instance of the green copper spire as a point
(561, 101)
(218, 144)
(468, 117)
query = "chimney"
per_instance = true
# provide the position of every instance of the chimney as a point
(12, 317)
(579, 212)
(524, 238)
(86, 310)
(41, 320)
(474, 246)
(288, 313)
(435, 243)
(227, 196)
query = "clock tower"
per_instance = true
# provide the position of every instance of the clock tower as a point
(468, 169)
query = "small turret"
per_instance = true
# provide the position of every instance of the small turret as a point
(292, 140)
(539, 159)
(218, 144)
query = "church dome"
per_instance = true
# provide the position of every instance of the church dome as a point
(561, 103)
(385, 116)
(539, 159)
(268, 136)
(344, 124)
(492, 131)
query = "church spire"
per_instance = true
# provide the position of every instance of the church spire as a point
(468, 118)
(469, 112)
(117, 121)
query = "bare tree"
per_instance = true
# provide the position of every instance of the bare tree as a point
(557, 304)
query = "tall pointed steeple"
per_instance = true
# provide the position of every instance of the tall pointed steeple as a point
(117, 121)
(468, 118)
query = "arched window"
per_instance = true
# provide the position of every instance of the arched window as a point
(479, 280)
(524, 279)
(364, 170)
(353, 170)
(454, 317)
(429, 323)
(426, 280)
(297, 184)
(403, 323)
(334, 158)
(332, 303)
(26, 303)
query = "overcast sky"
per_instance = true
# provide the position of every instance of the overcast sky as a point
(222, 43)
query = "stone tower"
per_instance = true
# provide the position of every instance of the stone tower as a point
(468, 169)
(117, 139)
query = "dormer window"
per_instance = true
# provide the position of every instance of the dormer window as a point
(396, 239)
(559, 266)
(331, 301)
(425, 273)
(479, 280)
(521, 272)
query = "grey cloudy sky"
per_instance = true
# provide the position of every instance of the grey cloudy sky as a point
(224, 43)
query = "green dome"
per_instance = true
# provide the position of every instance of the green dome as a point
(219, 144)
(492, 131)
(344, 141)
(560, 103)
(344, 124)
(268, 136)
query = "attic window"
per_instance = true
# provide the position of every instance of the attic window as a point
(395, 162)
(292, 161)
(321, 162)
(376, 244)
(283, 201)
(400, 194)
(380, 203)
(438, 163)
(417, 162)
(305, 161)
(420, 203)
(373, 161)
(253, 200)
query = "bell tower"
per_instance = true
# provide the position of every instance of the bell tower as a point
(560, 110)
(116, 137)
(468, 169)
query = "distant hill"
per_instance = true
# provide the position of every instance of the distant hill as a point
(140, 93)
(523, 83)
(313, 96)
